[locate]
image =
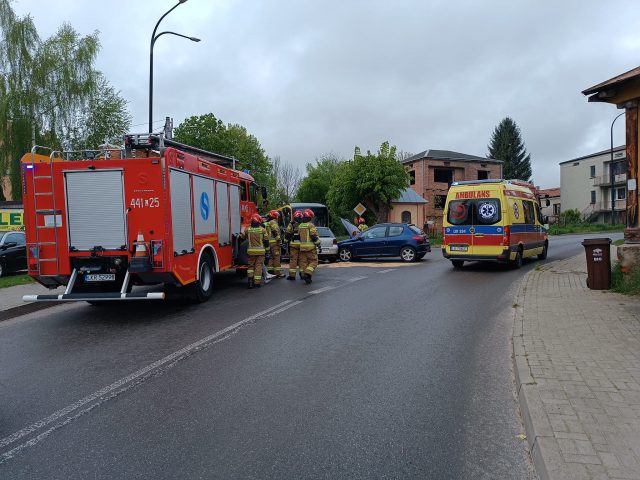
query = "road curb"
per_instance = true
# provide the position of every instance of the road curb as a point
(20, 310)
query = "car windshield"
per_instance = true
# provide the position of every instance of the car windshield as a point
(325, 232)
(474, 212)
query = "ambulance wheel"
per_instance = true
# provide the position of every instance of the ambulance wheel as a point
(408, 254)
(543, 255)
(1, 268)
(517, 263)
(203, 288)
(345, 255)
(457, 264)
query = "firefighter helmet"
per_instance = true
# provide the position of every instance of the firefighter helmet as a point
(256, 218)
(297, 215)
(361, 220)
(273, 214)
(308, 213)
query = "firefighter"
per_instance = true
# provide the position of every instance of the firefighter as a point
(273, 231)
(309, 243)
(292, 237)
(256, 234)
(363, 226)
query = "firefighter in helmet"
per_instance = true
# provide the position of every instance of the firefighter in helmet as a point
(309, 243)
(362, 225)
(273, 231)
(292, 237)
(256, 234)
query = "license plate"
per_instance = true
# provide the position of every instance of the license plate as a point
(324, 250)
(459, 248)
(100, 277)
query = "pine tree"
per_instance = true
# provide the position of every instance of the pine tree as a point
(507, 145)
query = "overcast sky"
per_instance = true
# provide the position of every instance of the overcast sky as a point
(307, 78)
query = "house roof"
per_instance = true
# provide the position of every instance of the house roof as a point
(409, 196)
(617, 81)
(552, 192)
(615, 149)
(449, 155)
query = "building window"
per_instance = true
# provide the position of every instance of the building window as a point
(443, 175)
(412, 177)
(592, 171)
(556, 209)
(622, 194)
(439, 201)
(406, 216)
(575, 164)
(619, 167)
(483, 174)
(593, 196)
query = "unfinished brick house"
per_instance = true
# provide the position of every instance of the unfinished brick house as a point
(432, 171)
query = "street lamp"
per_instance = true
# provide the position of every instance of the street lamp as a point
(612, 175)
(154, 37)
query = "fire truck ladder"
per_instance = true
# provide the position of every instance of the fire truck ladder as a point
(44, 205)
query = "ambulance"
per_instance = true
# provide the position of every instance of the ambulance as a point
(495, 221)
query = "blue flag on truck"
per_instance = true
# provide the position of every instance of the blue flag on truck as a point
(351, 229)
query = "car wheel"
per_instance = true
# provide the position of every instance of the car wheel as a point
(345, 255)
(457, 264)
(2, 272)
(517, 263)
(543, 255)
(408, 254)
(203, 288)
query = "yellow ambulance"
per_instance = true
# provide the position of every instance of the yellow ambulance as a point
(495, 221)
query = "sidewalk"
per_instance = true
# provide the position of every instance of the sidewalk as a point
(11, 304)
(577, 364)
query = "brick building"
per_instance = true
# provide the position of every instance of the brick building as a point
(432, 171)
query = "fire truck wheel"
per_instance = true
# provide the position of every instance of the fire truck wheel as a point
(204, 285)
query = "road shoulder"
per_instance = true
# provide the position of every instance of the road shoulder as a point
(577, 361)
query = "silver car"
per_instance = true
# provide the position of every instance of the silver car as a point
(328, 245)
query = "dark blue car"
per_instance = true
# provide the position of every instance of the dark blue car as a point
(386, 240)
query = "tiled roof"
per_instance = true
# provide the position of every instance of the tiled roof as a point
(410, 196)
(552, 192)
(449, 155)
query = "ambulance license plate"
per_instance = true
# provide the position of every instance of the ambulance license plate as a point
(100, 277)
(459, 248)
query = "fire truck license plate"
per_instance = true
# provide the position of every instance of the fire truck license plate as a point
(459, 248)
(100, 277)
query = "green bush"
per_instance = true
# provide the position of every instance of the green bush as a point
(626, 283)
(571, 217)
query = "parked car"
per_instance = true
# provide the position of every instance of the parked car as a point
(13, 252)
(386, 240)
(328, 245)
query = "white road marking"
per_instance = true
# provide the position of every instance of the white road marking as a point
(387, 270)
(286, 307)
(355, 279)
(109, 391)
(320, 290)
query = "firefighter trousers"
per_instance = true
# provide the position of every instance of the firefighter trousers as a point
(254, 272)
(274, 261)
(308, 261)
(294, 254)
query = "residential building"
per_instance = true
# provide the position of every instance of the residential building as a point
(585, 183)
(431, 172)
(553, 209)
(408, 208)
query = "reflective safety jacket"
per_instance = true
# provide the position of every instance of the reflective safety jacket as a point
(258, 240)
(273, 230)
(309, 239)
(292, 235)
(362, 227)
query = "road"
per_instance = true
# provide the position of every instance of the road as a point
(376, 370)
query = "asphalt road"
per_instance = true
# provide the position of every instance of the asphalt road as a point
(376, 370)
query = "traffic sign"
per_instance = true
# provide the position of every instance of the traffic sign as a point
(360, 209)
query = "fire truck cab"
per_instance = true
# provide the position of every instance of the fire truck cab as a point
(157, 212)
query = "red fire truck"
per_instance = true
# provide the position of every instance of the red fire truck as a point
(157, 212)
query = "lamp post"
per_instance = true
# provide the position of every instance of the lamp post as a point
(154, 37)
(612, 175)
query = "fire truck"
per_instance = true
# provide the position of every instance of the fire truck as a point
(155, 212)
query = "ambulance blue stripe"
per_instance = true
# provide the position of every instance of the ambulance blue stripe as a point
(491, 229)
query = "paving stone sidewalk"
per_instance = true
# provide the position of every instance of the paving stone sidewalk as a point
(577, 363)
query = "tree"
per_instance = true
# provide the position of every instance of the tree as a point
(233, 140)
(46, 89)
(506, 144)
(375, 180)
(286, 179)
(315, 185)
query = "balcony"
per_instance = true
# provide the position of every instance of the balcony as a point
(605, 206)
(605, 180)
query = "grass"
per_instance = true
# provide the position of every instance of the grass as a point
(628, 284)
(14, 279)
(620, 241)
(594, 227)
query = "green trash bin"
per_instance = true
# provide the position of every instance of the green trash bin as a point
(598, 251)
